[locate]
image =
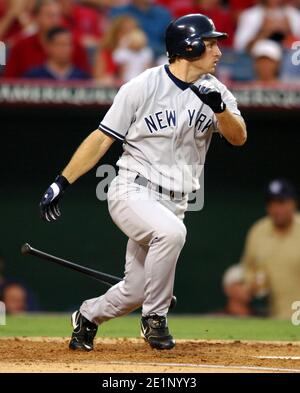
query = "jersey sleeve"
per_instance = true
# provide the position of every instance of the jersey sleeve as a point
(230, 102)
(121, 114)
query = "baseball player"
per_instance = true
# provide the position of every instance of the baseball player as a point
(165, 119)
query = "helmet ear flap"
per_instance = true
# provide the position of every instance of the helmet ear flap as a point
(200, 47)
(194, 49)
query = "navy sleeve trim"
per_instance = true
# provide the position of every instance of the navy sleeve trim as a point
(109, 131)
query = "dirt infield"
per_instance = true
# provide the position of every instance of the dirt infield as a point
(133, 355)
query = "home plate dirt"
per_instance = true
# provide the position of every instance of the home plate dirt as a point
(133, 355)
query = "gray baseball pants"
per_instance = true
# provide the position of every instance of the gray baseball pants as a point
(154, 226)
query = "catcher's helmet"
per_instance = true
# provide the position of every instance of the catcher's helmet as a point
(184, 36)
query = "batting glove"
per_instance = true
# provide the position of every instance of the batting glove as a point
(49, 209)
(211, 96)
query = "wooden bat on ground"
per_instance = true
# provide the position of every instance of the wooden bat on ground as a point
(104, 278)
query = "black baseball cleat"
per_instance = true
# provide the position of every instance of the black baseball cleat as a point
(155, 331)
(83, 334)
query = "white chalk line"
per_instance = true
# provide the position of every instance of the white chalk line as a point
(278, 357)
(195, 365)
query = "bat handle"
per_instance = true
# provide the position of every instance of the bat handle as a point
(26, 249)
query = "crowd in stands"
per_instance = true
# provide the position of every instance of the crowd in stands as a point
(112, 41)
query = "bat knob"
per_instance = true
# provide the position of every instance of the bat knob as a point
(173, 303)
(25, 249)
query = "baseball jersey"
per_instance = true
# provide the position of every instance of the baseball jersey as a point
(166, 129)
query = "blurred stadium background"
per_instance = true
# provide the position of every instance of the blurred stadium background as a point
(43, 121)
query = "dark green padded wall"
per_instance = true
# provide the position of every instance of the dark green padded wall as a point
(37, 143)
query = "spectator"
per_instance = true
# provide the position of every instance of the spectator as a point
(2, 278)
(153, 19)
(237, 291)
(175, 6)
(290, 69)
(84, 22)
(106, 70)
(271, 256)
(30, 51)
(7, 282)
(14, 296)
(104, 3)
(214, 10)
(93, 3)
(237, 6)
(59, 48)
(15, 19)
(295, 3)
(267, 55)
(135, 57)
(271, 19)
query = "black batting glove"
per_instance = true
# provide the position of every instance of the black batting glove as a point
(210, 96)
(49, 209)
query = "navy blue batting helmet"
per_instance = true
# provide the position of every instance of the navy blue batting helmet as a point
(184, 36)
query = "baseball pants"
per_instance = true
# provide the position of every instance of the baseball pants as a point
(156, 232)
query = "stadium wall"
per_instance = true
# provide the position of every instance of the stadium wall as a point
(37, 143)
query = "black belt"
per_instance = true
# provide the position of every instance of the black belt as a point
(142, 181)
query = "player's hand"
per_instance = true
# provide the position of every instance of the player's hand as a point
(49, 209)
(211, 96)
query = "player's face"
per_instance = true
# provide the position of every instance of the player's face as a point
(281, 212)
(240, 292)
(61, 48)
(15, 299)
(266, 69)
(208, 61)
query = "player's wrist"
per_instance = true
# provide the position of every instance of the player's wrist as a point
(221, 108)
(222, 114)
(62, 182)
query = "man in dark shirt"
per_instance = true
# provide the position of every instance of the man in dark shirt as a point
(59, 66)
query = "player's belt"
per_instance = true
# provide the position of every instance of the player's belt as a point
(142, 181)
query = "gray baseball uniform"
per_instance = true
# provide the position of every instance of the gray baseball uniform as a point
(166, 131)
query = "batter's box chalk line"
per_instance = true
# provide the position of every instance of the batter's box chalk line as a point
(194, 365)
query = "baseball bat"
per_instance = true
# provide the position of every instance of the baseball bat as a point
(99, 276)
(104, 278)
